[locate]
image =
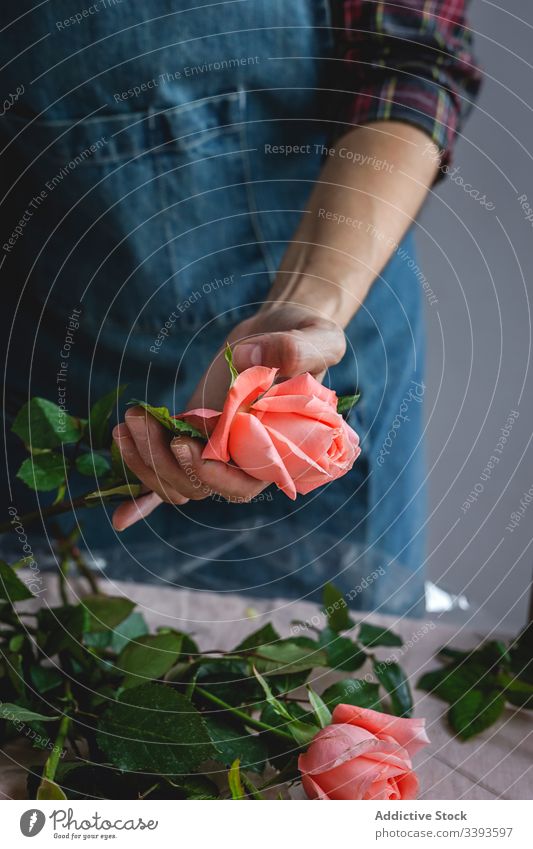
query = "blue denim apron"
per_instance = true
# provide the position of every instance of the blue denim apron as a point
(147, 185)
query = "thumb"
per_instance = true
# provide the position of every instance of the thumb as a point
(313, 349)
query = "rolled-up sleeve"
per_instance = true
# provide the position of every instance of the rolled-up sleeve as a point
(410, 60)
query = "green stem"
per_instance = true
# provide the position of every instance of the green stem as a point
(63, 572)
(70, 551)
(79, 502)
(248, 720)
(150, 790)
(84, 570)
(52, 762)
(53, 510)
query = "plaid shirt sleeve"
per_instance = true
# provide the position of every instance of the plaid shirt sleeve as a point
(409, 60)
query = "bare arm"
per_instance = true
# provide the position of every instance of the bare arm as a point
(359, 209)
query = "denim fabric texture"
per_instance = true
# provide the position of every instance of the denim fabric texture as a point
(151, 129)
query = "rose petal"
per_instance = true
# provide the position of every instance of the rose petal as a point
(296, 461)
(312, 789)
(351, 434)
(247, 387)
(313, 437)
(408, 785)
(409, 733)
(335, 744)
(299, 405)
(307, 385)
(355, 779)
(395, 761)
(382, 790)
(252, 449)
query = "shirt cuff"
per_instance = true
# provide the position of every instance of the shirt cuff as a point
(425, 105)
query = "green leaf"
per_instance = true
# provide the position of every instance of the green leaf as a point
(474, 712)
(341, 652)
(99, 417)
(61, 629)
(43, 472)
(281, 752)
(450, 653)
(302, 732)
(156, 729)
(13, 670)
(150, 656)
(353, 691)
(12, 713)
(132, 627)
(288, 656)
(518, 693)
(234, 781)
(274, 703)
(521, 654)
(346, 402)
(131, 490)
(492, 653)
(99, 640)
(229, 680)
(320, 708)
(489, 658)
(283, 685)
(233, 742)
(42, 424)
(92, 465)
(49, 790)
(176, 426)
(45, 678)
(250, 786)
(16, 642)
(105, 612)
(336, 609)
(451, 682)
(395, 682)
(188, 648)
(265, 635)
(372, 636)
(196, 787)
(11, 587)
(228, 356)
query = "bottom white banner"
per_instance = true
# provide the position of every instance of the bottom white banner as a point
(172, 824)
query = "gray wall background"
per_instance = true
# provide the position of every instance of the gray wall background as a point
(478, 263)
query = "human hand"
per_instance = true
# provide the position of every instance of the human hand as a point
(285, 336)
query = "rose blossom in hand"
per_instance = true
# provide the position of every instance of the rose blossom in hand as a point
(363, 754)
(285, 433)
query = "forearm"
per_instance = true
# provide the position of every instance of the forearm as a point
(358, 211)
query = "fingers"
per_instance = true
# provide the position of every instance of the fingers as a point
(129, 512)
(210, 475)
(313, 349)
(149, 477)
(152, 444)
(177, 472)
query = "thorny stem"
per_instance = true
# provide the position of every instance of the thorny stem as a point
(246, 718)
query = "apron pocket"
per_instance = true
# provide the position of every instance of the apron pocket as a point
(139, 215)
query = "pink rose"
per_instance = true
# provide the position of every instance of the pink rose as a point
(363, 754)
(286, 433)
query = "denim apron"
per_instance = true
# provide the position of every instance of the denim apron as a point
(147, 187)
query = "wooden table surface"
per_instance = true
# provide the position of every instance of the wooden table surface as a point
(496, 765)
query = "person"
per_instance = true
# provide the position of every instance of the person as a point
(176, 176)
